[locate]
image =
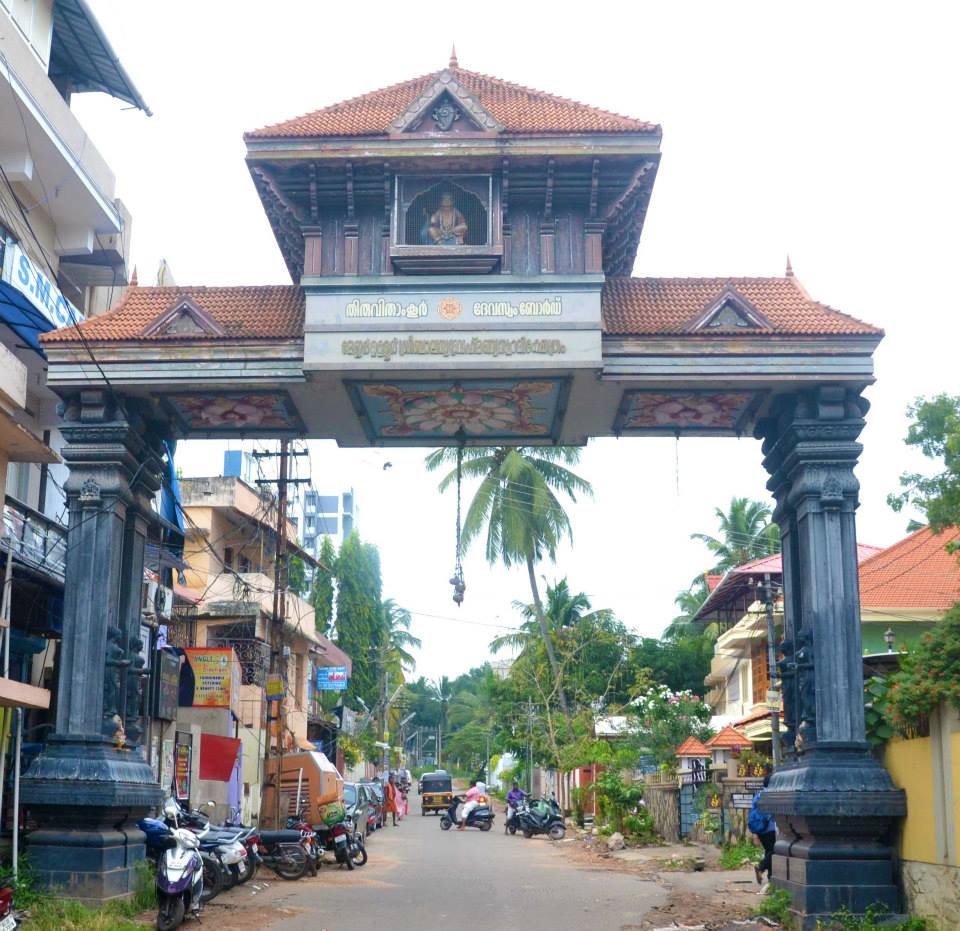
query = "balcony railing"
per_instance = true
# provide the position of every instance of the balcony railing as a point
(36, 541)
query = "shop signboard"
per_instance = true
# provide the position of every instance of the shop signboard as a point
(276, 691)
(741, 800)
(166, 685)
(181, 770)
(216, 678)
(166, 775)
(332, 678)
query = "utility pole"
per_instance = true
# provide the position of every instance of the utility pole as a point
(530, 747)
(772, 696)
(278, 659)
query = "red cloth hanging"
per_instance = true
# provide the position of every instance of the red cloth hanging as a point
(218, 756)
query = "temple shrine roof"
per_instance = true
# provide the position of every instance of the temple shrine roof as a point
(727, 739)
(630, 307)
(691, 747)
(520, 110)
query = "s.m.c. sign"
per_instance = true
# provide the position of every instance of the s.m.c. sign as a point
(31, 281)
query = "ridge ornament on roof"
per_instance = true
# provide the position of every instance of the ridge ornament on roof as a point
(444, 101)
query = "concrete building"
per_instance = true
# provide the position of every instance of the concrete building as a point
(231, 552)
(327, 515)
(64, 237)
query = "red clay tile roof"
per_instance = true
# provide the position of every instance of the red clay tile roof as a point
(728, 738)
(917, 572)
(263, 312)
(668, 306)
(518, 109)
(691, 747)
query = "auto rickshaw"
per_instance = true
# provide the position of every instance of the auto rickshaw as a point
(436, 790)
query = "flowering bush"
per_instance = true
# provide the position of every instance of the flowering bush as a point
(664, 719)
(928, 676)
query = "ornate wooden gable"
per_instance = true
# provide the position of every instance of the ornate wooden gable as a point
(445, 106)
(184, 319)
(730, 311)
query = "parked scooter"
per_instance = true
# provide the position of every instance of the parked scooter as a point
(481, 817)
(179, 881)
(8, 921)
(541, 816)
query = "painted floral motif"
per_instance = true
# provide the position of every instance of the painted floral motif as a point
(234, 411)
(492, 409)
(684, 410)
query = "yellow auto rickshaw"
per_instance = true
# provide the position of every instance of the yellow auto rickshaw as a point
(436, 791)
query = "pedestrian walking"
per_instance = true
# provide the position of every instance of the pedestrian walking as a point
(765, 828)
(390, 798)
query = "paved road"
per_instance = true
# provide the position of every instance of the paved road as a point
(420, 878)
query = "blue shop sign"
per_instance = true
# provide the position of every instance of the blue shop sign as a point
(332, 678)
(34, 284)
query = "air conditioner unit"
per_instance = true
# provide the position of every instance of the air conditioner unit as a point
(164, 601)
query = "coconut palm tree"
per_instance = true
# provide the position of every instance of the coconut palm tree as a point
(746, 532)
(396, 629)
(517, 505)
(563, 609)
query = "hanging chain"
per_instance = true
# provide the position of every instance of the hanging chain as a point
(457, 581)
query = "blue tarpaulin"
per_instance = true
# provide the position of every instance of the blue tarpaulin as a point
(22, 317)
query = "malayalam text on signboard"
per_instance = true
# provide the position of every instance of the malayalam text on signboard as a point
(331, 678)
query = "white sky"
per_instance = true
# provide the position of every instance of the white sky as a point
(827, 131)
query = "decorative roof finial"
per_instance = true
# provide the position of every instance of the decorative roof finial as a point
(789, 268)
(133, 278)
(453, 57)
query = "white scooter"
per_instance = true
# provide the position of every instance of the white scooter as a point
(179, 875)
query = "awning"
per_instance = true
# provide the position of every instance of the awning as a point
(81, 53)
(218, 757)
(22, 317)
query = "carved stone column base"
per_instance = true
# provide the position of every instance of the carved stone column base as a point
(834, 811)
(87, 797)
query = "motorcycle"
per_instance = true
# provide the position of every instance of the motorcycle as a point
(8, 921)
(481, 817)
(180, 869)
(308, 841)
(282, 852)
(541, 816)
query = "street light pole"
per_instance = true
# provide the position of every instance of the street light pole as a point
(773, 697)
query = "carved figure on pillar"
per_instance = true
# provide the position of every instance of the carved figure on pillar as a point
(115, 657)
(788, 676)
(135, 675)
(806, 691)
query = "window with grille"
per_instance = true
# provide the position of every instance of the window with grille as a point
(446, 211)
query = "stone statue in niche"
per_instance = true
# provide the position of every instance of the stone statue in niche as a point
(445, 116)
(448, 226)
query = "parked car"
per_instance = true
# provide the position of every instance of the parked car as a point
(356, 803)
(377, 801)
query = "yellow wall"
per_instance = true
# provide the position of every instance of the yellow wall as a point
(910, 763)
(955, 757)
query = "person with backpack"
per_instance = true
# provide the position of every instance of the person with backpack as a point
(765, 828)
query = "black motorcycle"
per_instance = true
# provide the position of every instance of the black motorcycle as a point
(541, 816)
(481, 817)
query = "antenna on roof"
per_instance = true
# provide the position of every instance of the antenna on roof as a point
(453, 57)
(789, 268)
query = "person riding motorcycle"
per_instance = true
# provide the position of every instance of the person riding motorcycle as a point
(470, 801)
(515, 798)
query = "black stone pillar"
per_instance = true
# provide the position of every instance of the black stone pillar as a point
(833, 802)
(89, 787)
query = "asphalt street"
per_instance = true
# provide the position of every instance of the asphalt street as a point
(420, 878)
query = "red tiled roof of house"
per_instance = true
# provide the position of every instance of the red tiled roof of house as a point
(713, 580)
(262, 312)
(669, 306)
(691, 747)
(727, 738)
(917, 572)
(752, 717)
(519, 109)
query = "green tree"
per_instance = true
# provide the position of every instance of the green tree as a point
(359, 619)
(296, 575)
(322, 590)
(680, 664)
(516, 503)
(689, 601)
(746, 533)
(935, 431)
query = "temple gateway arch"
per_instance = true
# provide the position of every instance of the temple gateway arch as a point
(460, 251)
